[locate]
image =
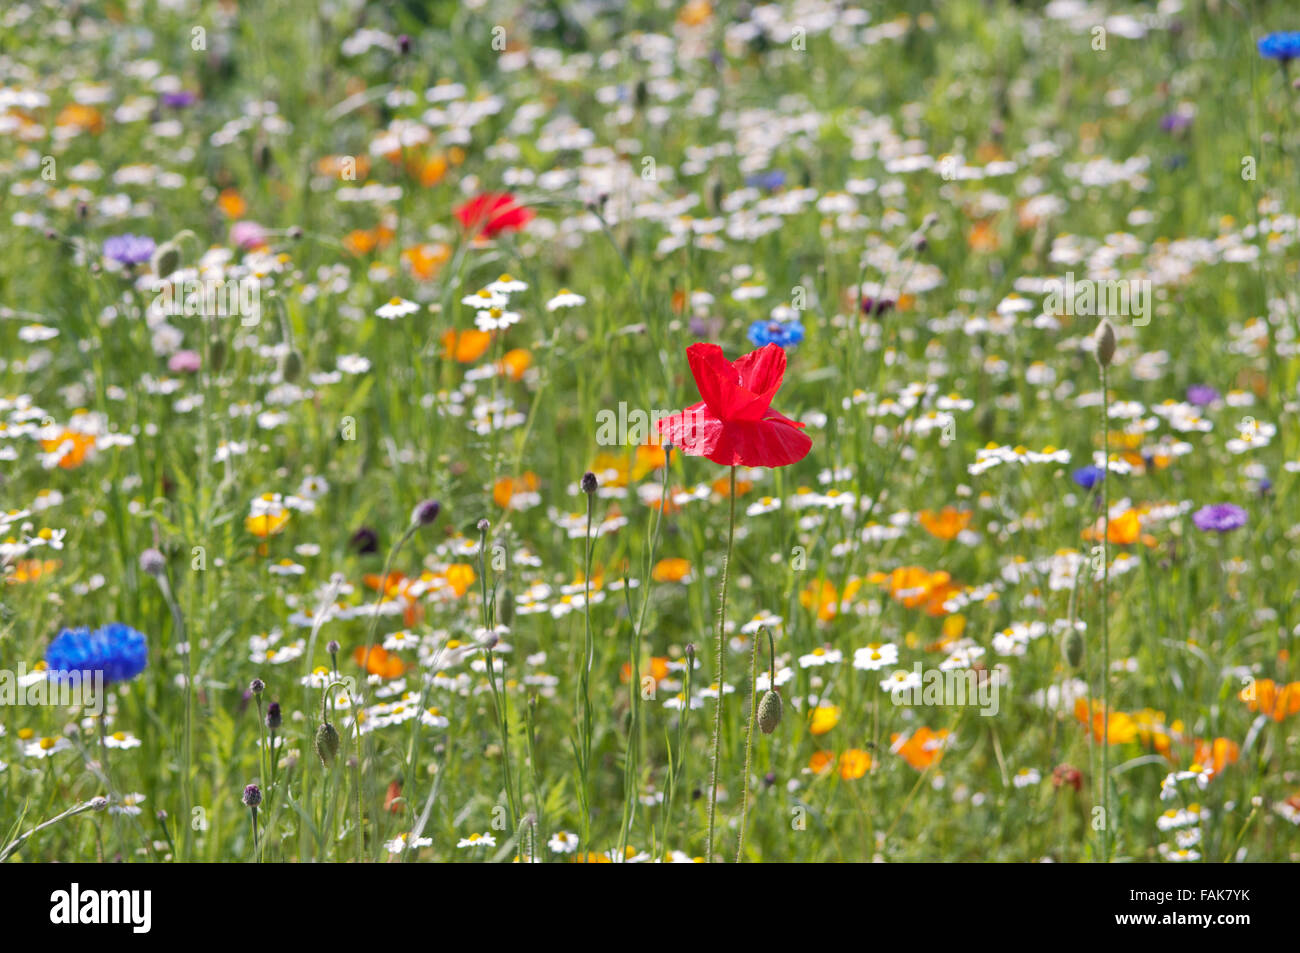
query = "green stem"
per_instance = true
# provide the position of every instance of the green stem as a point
(722, 661)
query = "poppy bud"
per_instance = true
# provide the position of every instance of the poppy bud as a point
(1105, 339)
(327, 743)
(216, 353)
(769, 711)
(505, 606)
(166, 259)
(290, 365)
(1072, 647)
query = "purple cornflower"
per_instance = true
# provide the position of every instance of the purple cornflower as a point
(1219, 518)
(1202, 395)
(129, 249)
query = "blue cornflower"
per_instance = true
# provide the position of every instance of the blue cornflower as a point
(129, 249)
(117, 650)
(770, 180)
(1280, 46)
(1087, 477)
(784, 333)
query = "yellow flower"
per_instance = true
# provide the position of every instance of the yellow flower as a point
(824, 718)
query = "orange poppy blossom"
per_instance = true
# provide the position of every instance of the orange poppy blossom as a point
(947, 524)
(232, 204)
(916, 587)
(344, 168)
(506, 489)
(76, 447)
(30, 570)
(1120, 728)
(1267, 696)
(362, 241)
(854, 763)
(672, 569)
(465, 347)
(657, 669)
(1215, 755)
(827, 599)
(821, 762)
(379, 662)
(426, 259)
(82, 117)
(921, 748)
(515, 363)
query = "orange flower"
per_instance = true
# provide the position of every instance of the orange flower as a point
(78, 116)
(394, 584)
(673, 569)
(820, 762)
(460, 576)
(232, 203)
(344, 168)
(658, 670)
(515, 363)
(1276, 701)
(466, 346)
(1216, 755)
(648, 458)
(380, 661)
(695, 13)
(947, 523)
(827, 599)
(983, 238)
(362, 242)
(426, 259)
(505, 489)
(921, 748)
(75, 455)
(854, 763)
(1119, 729)
(722, 487)
(30, 570)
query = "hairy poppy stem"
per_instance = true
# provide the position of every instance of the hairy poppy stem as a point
(1105, 619)
(722, 661)
(749, 732)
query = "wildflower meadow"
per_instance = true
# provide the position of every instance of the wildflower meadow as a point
(649, 432)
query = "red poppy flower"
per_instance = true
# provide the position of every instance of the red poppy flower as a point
(492, 213)
(735, 423)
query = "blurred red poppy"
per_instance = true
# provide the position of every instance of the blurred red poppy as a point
(735, 424)
(491, 213)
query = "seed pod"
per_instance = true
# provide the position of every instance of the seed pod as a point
(1105, 339)
(1072, 647)
(327, 743)
(769, 711)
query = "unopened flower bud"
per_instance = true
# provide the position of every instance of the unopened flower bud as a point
(589, 483)
(1105, 339)
(769, 711)
(425, 512)
(152, 562)
(252, 796)
(327, 743)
